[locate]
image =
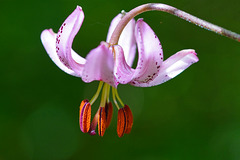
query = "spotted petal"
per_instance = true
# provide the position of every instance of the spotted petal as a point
(48, 38)
(99, 65)
(150, 53)
(65, 37)
(122, 71)
(173, 66)
(127, 40)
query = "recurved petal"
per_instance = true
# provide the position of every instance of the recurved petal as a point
(173, 66)
(150, 53)
(48, 38)
(99, 65)
(64, 39)
(127, 38)
(122, 71)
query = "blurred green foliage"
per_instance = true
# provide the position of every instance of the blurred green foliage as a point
(195, 116)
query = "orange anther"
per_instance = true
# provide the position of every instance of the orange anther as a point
(109, 113)
(82, 104)
(121, 122)
(125, 121)
(101, 121)
(85, 116)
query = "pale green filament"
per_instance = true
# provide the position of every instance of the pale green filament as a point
(115, 94)
(103, 98)
(97, 93)
(119, 99)
(108, 92)
(105, 93)
(114, 98)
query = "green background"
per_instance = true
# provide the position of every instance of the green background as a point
(195, 116)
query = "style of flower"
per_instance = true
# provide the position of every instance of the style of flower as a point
(112, 65)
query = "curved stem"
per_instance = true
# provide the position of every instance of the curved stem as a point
(174, 11)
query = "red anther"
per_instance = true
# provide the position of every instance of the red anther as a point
(129, 119)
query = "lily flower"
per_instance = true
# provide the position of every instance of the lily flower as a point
(151, 70)
(112, 65)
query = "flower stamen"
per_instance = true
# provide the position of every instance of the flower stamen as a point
(114, 98)
(109, 113)
(121, 122)
(85, 116)
(125, 121)
(94, 98)
(92, 130)
(101, 121)
(105, 93)
(119, 99)
(129, 119)
(104, 113)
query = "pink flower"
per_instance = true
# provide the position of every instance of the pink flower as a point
(99, 63)
(112, 64)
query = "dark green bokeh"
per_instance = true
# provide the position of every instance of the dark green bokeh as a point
(194, 116)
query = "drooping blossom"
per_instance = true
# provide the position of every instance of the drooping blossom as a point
(112, 65)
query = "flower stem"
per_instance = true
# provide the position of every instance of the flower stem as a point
(174, 11)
